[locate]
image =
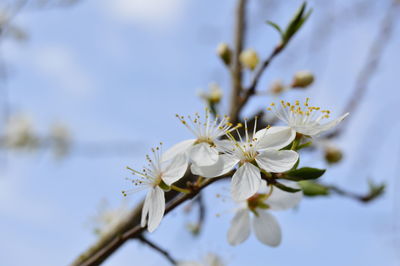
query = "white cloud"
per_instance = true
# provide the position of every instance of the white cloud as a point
(147, 12)
(62, 66)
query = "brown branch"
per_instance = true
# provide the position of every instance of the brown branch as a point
(236, 67)
(106, 249)
(154, 246)
(374, 57)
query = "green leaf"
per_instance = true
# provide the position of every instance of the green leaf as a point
(295, 165)
(305, 173)
(305, 145)
(275, 26)
(286, 188)
(295, 24)
(313, 189)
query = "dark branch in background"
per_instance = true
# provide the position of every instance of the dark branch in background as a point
(154, 246)
(374, 57)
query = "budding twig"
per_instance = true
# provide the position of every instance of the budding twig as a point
(251, 90)
(364, 198)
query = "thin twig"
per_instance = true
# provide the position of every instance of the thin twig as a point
(364, 198)
(158, 249)
(251, 90)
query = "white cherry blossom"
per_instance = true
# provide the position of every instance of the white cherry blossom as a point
(256, 214)
(202, 150)
(157, 175)
(253, 155)
(304, 119)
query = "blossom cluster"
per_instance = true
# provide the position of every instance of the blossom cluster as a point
(253, 159)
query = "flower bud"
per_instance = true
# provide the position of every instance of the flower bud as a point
(214, 95)
(277, 87)
(333, 155)
(249, 58)
(302, 79)
(225, 53)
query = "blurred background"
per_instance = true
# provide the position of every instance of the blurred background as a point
(88, 87)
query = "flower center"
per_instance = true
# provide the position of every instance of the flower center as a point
(205, 140)
(257, 201)
(295, 114)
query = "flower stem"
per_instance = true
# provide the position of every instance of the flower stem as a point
(182, 190)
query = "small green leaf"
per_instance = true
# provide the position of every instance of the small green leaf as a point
(305, 173)
(286, 188)
(295, 24)
(295, 165)
(275, 26)
(305, 145)
(313, 189)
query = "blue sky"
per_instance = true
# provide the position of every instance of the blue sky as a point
(121, 69)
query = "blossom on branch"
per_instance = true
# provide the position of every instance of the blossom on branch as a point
(254, 155)
(265, 226)
(202, 150)
(157, 177)
(304, 119)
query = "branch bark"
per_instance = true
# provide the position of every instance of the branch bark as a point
(236, 67)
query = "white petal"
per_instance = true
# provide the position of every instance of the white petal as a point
(318, 129)
(145, 208)
(224, 145)
(274, 137)
(282, 200)
(308, 130)
(224, 164)
(239, 230)
(267, 229)
(175, 169)
(203, 154)
(179, 148)
(156, 208)
(245, 182)
(333, 123)
(277, 161)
